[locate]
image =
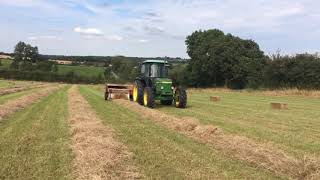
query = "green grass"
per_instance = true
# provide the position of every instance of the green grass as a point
(34, 143)
(164, 154)
(87, 71)
(296, 130)
(5, 63)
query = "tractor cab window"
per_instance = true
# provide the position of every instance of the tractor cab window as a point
(159, 70)
(143, 69)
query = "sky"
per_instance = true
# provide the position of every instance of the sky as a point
(152, 28)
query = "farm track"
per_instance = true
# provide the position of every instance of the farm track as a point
(12, 106)
(263, 155)
(20, 88)
(98, 155)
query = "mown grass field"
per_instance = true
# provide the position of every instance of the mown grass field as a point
(249, 113)
(35, 142)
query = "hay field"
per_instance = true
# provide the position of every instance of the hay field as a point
(70, 132)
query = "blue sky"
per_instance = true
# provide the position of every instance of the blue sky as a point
(154, 27)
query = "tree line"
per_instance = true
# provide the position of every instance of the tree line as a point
(224, 60)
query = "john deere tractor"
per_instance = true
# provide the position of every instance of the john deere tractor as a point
(154, 85)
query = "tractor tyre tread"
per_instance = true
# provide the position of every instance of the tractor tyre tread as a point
(150, 99)
(140, 92)
(183, 98)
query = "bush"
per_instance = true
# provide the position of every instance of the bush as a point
(300, 71)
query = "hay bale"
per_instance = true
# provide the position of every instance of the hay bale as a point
(215, 98)
(279, 106)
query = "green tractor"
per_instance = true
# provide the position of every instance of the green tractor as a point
(153, 85)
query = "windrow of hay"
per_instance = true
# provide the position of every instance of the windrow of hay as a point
(264, 155)
(20, 88)
(14, 105)
(98, 155)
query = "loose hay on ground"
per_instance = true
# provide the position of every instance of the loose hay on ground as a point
(98, 155)
(14, 105)
(20, 88)
(263, 155)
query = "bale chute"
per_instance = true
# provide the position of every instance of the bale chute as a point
(118, 91)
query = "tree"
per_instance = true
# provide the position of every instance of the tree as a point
(25, 55)
(219, 59)
(54, 68)
(300, 71)
(19, 52)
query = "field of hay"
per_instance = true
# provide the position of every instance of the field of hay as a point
(60, 131)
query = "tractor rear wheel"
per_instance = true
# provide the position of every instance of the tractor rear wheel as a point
(148, 97)
(138, 92)
(166, 102)
(180, 98)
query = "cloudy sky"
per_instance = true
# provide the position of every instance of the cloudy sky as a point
(155, 27)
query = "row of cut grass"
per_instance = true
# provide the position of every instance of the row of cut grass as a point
(243, 113)
(11, 83)
(12, 96)
(34, 143)
(164, 154)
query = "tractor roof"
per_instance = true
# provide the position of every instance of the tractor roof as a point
(155, 61)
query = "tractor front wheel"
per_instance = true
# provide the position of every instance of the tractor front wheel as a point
(138, 92)
(180, 98)
(148, 97)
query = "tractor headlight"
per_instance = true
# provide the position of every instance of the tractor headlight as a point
(172, 87)
(162, 87)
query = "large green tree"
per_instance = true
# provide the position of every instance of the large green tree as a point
(25, 52)
(25, 56)
(219, 59)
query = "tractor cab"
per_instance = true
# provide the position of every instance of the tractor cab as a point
(154, 84)
(155, 69)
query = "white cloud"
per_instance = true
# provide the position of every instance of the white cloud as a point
(34, 38)
(88, 31)
(114, 38)
(95, 33)
(143, 41)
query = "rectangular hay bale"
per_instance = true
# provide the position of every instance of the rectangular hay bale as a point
(215, 98)
(279, 106)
